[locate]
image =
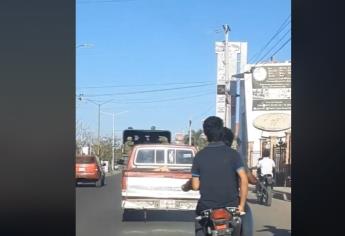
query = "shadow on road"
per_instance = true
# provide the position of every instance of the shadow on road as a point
(275, 231)
(158, 215)
(253, 201)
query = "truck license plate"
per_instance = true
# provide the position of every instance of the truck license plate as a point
(167, 203)
(81, 169)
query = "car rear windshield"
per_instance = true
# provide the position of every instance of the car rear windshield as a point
(85, 159)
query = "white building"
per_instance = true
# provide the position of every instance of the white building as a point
(237, 60)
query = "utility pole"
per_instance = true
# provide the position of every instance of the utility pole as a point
(113, 145)
(227, 115)
(99, 119)
(99, 130)
(113, 141)
(190, 132)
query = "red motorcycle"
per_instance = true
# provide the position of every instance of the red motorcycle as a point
(222, 221)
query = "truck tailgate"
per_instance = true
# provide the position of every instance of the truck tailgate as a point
(153, 184)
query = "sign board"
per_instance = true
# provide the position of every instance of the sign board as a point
(273, 122)
(271, 88)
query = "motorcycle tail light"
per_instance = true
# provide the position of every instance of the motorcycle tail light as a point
(220, 214)
(220, 227)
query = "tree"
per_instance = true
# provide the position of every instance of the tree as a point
(198, 139)
(153, 127)
(84, 136)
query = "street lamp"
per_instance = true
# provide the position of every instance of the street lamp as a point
(99, 116)
(84, 45)
(113, 143)
(279, 144)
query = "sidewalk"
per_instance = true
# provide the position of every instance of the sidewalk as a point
(283, 193)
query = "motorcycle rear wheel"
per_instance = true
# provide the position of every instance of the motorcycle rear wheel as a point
(268, 196)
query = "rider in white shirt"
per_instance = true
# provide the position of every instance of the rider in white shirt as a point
(265, 166)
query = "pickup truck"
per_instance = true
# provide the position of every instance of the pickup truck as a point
(153, 177)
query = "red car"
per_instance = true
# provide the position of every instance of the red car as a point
(88, 169)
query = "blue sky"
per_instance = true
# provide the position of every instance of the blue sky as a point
(141, 46)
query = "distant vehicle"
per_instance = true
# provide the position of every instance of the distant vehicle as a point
(88, 169)
(141, 136)
(133, 137)
(154, 175)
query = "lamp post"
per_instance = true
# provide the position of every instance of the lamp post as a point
(84, 45)
(99, 117)
(279, 144)
(113, 142)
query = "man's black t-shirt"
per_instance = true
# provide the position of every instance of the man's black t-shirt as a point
(216, 166)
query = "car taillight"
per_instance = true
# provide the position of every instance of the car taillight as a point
(220, 214)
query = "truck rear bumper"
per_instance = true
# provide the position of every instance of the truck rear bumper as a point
(159, 204)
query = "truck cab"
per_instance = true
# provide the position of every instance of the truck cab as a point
(153, 177)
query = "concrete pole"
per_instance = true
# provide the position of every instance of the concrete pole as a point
(99, 130)
(227, 116)
(113, 144)
(190, 132)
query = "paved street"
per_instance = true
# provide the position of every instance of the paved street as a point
(99, 213)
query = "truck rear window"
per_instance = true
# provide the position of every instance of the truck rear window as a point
(180, 156)
(173, 157)
(85, 159)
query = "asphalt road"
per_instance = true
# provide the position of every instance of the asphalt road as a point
(98, 212)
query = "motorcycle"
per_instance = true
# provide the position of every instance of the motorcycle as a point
(222, 221)
(264, 192)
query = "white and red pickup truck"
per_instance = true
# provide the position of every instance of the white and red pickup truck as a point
(154, 175)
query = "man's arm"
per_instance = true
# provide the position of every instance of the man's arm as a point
(195, 183)
(243, 188)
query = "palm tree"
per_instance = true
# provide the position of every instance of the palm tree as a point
(198, 139)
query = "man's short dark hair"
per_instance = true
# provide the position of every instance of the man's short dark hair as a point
(265, 153)
(228, 137)
(214, 129)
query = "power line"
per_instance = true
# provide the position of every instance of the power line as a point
(281, 47)
(158, 97)
(147, 91)
(281, 28)
(260, 60)
(204, 113)
(142, 85)
(138, 101)
(169, 100)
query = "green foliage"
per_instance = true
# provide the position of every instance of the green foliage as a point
(198, 139)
